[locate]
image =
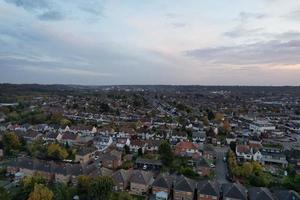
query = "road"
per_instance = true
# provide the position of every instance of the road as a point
(221, 169)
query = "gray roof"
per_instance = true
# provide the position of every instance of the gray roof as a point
(121, 176)
(163, 181)
(234, 190)
(141, 177)
(287, 195)
(148, 161)
(184, 184)
(208, 188)
(260, 193)
(74, 169)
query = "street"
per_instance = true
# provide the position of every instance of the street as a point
(221, 169)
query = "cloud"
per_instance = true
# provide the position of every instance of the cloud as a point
(56, 10)
(245, 16)
(240, 31)
(271, 52)
(178, 24)
(294, 15)
(51, 15)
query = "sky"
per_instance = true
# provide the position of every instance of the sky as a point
(121, 42)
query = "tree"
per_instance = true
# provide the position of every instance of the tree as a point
(36, 148)
(101, 188)
(63, 192)
(210, 115)
(166, 153)
(4, 195)
(226, 126)
(140, 152)
(41, 192)
(126, 149)
(55, 151)
(246, 169)
(121, 196)
(65, 122)
(83, 185)
(232, 145)
(11, 142)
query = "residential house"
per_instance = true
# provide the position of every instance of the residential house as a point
(187, 149)
(148, 164)
(260, 126)
(184, 188)
(208, 151)
(140, 182)
(52, 136)
(152, 145)
(51, 170)
(69, 138)
(199, 137)
(234, 191)
(111, 160)
(260, 193)
(121, 179)
(135, 145)
(85, 154)
(179, 136)
(102, 142)
(243, 152)
(203, 168)
(162, 186)
(286, 195)
(208, 190)
(272, 155)
(121, 142)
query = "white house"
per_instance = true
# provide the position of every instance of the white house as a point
(260, 126)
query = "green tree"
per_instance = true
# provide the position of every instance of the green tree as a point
(83, 185)
(127, 149)
(166, 153)
(101, 188)
(4, 195)
(27, 185)
(41, 192)
(63, 192)
(121, 196)
(55, 151)
(11, 142)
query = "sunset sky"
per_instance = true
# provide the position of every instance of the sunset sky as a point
(103, 42)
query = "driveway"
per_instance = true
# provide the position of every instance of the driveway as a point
(221, 169)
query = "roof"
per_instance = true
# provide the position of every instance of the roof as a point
(186, 145)
(141, 177)
(86, 150)
(52, 166)
(148, 161)
(234, 190)
(287, 195)
(260, 193)
(243, 149)
(208, 188)
(163, 181)
(184, 184)
(121, 176)
(202, 163)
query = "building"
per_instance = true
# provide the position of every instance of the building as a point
(208, 190)
(234, 191)
(140, 182)
(184, 188)
(271, 155)
(260, 193)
